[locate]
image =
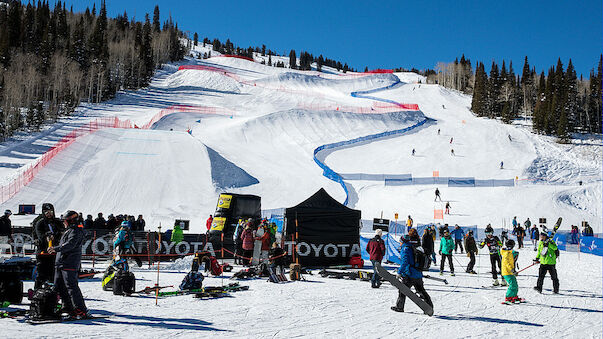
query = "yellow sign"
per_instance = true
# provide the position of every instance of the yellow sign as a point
(218, 224)
(224, 201)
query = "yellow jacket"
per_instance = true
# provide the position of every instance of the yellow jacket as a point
(509, 258)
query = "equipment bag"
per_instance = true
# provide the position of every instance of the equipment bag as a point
(124, 283)
(192, 281)
(356, 261)
(215, 267)
(108, 278)
(11, 289)
(295, 272)
(44, 303)
(422, 260)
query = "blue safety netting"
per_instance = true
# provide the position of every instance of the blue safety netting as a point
(392, 248)
(461, 182)
(450, 181)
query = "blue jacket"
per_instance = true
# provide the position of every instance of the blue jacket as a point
(407, 266)
(458, 234)
(124, 238)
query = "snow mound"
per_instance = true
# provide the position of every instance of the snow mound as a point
(204, 80)
(410, 77)
(293, 80)
(181, 264)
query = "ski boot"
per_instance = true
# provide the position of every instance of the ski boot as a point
(508, 301)
(472, 272)
(78, 314)
(518, 300)
(441, 272)
(539, 290)
(395, 308)
(503, 282)
(452, 274)
(495, 282)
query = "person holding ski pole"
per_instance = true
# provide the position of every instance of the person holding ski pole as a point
(471, 248)
(509, 260)
(494, 246)
(547, 257)
(437, 195)
(410, 274)
(446, 247)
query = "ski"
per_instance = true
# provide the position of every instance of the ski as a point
(62, 320)
(149, 289)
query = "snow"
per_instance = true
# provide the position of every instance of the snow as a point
(324, 307)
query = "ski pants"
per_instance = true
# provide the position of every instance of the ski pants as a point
(65, 282)
(513, 287)
(375, 279)
(494, 260)
(442, 261)
(471, 262)
(458, 243)
(433, 257)
(552, 271)
(418, 285)
(520, 241)
(247, 254)
(44, 269)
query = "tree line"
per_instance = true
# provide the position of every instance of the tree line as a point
(559, 102)
(52, 60)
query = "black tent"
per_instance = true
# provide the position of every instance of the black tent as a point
(328, 232)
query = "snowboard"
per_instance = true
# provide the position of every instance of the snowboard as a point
(404, 289)
(62, 320)
(272, 277)
(280, 274)
(257, 248)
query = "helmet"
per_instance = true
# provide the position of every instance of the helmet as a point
(71, 217)
(8, 212)
(125, 224)
(510, 243)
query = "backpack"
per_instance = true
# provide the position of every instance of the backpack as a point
(192, 280)
(215, 267)
(44, 304)
(108, 278)
(124, 283)
(422, 259)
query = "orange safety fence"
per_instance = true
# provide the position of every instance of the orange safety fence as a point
(9, 190)
(438, 214)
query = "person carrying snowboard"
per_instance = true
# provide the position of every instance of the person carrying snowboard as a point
(471, 248)
(376, 249)
(459, 234)
(446, 247)
(494, 246)
(437, 195)
(507, 270)
(547, 257)
(411, 276)
(67, 266)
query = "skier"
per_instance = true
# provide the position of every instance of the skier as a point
(208, 222)
(437, 195)
(494, 246)
(534, 235)
(514, 223)
(47, 231)
(376, 249)
(411, 276)
(447, 207)
(507, 270)
(510, 138)
(427, 241)
(446, 247)
(501, 165)
(520, 234)
(471, 248)
(68, 261)
(413, 152)
(438, 131)
(547, 257)
(6, 231)
(452, 152)
(459, 234)
(451, 140)
(527, 224)
(409, 223)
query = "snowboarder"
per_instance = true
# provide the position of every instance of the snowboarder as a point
(447, 207)
(413, 152)
(68, 261)
(428, 245)
(509, 260)
(410, 275)
(471, 248)
(6, 231)
(446, 247)
(501, 165)
(459, 234)
(494, 246)
(409, 223)
(376, 250)
(437, 195)
(546, 255)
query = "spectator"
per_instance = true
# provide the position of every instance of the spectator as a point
(209, 221)
(140, 223)
(265, 239)
(89, 222)
(587, 231)
(428, 244)
(574, 234)
(534, 236)
(471, 248)
(112, 223)
(80, 219)
(6, 232)
(247, 239)
(99, 222)
(459, 234)
(376, 250)
(409, 223)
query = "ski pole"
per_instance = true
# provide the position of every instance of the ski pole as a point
(525, 268)
(436, 279)
(464, 269)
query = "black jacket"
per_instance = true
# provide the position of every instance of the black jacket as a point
(427, 241)
(99, 223)
(5, 226)
(470, 245)
(47, 229)
(69, 251)
(277, 254)
(88, 224)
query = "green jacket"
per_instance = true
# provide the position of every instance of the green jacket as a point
(446, 245)
(177, 235)
(549, 258)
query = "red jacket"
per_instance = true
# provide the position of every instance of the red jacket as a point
(265, 241)
(208, 223)
(376, 248)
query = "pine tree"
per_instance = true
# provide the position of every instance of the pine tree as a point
(292, 60)
(156, 20)
(571, 105)
(196, 39)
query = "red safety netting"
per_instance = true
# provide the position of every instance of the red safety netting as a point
(8, 190)
(188, 109)
(234, 56)
(379, 71)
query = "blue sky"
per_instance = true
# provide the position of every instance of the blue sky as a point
(388, 34)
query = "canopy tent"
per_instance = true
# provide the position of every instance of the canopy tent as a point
(328, 232)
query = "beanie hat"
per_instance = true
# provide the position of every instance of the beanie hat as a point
(378, 232)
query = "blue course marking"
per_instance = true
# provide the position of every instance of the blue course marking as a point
(135, 153)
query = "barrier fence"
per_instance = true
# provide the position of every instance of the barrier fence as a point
(25, 177)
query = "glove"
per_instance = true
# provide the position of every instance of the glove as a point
(536, 261)
(468, 254)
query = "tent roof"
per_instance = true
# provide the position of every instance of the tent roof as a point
(321, 200)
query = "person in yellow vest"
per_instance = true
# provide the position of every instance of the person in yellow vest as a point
(409, 223)
(507, 270)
